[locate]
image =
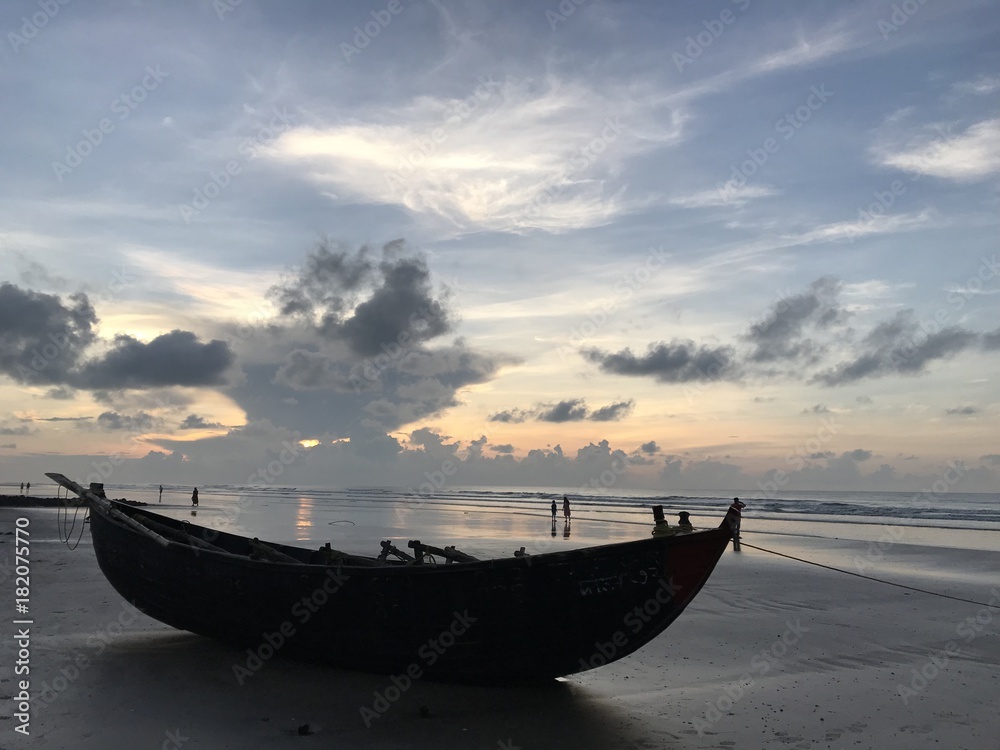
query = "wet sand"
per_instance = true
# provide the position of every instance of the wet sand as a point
(773, 653)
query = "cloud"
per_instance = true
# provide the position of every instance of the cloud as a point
(963, 411)
(175, 358)
(821, 455)
(817, 409)
(22, 430)
(991, 340)
(676, 362)
(969, 157)
(568, 410)
(729, 194)
(373, 306)
(572, 410)
(41, 338)
(540, 154)
(114, 422)
(61, 393)
(613, 412)
(899, 346)
(858, 454)
(44, 341)
(509, 416)
(778, 335)
(991, 458)
(650, 448)
(984, 85)
(502, 448)
(194, 422)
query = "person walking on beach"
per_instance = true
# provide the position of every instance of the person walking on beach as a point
(553, 510)
(194, 497)
(733, 516)
(27, 488)
(566, 508)
(161, 493)
(553, 502)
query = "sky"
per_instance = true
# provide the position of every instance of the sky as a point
(591, 245)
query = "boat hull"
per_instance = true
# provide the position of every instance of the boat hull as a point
(491, 621)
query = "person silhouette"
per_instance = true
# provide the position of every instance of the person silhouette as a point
(194, 497)
(566, 508)
(161, 493)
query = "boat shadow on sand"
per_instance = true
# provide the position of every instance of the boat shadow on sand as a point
(143, 686)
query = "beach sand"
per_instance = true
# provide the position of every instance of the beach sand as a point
(772, 653)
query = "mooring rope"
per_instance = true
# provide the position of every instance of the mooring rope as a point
(62, 519)
(868, 578)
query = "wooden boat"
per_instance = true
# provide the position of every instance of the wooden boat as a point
(526, 617)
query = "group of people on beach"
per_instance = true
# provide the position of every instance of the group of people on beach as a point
(555, 508)
(23, 487)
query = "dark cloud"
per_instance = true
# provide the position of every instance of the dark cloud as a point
(650, 448)
(375, 307)
(858, 454)
(568, 410)
(12, 446)
(779, 335)
(817, 409)
(175, 358)
(991, 340)
(613, 412)
(304, 370)
(508, 448)
(820, 455)
(898, 346)
(61, 393)
(62, 419)
(991, 458)
(42, 339)
(476, 448)
(22, 430)
(114, 422)
(864, 400)
(194, 422)
(571, 410)
(676, 362)
(963, 410)
(509, 416)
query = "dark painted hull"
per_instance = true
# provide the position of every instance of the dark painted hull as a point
(503, 620)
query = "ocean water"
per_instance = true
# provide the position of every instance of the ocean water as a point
(499, 520)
